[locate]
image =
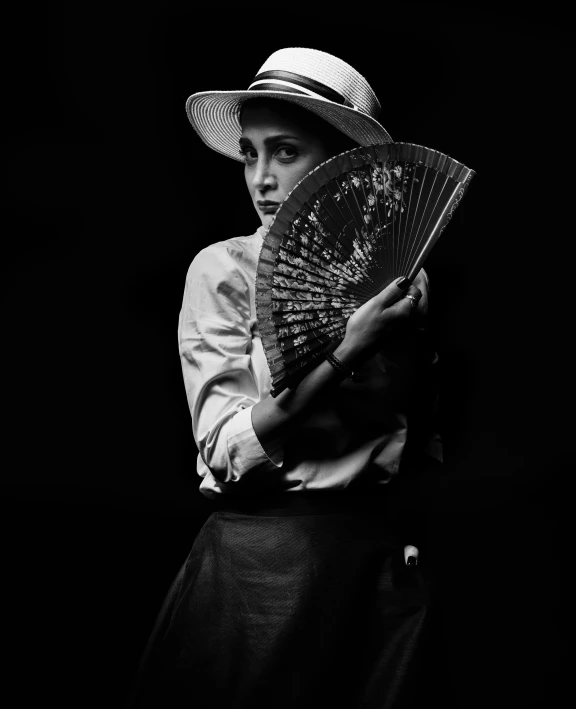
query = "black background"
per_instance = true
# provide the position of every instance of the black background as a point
(108, 194)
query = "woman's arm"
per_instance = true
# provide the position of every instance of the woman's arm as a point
(272, 418)
(221, 376)
(238, 433)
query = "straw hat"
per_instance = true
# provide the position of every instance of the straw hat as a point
(317, 81)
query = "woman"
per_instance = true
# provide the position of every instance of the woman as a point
(296, 590)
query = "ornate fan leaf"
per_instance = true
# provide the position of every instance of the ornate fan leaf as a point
(346, 231)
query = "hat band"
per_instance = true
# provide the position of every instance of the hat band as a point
(296, 83)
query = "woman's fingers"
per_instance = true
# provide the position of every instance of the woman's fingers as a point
(411, 554)
(413, 296)
(407, 302)
(398, 291)
(394, 292)
(422, 283)
(382, 313)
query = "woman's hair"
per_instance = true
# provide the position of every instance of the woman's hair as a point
(334, 141)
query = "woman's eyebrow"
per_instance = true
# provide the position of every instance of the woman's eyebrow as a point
(280, 136)
(270, 140)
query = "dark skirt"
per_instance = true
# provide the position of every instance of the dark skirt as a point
(296, 607)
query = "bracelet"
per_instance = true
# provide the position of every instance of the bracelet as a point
(342, 368)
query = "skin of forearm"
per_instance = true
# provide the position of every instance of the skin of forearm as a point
(273, 418)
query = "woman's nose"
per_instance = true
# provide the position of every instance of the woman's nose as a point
(263, 178)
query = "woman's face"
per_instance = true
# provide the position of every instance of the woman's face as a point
(277, 153)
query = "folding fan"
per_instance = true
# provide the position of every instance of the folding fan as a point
(347, 230)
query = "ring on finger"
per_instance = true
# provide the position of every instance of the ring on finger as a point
(413, 300)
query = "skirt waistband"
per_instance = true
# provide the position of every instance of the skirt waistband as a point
(305, 503)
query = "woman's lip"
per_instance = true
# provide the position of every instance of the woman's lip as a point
(270, 208)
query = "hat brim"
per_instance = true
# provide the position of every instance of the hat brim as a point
(214, 115)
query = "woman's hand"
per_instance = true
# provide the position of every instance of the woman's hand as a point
(366, 331)
(369, 325)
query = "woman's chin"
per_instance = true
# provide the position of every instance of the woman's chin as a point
(267, 219)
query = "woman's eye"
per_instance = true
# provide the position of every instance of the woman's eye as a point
(286, 152)
(249, 155)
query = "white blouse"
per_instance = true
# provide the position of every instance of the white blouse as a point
(358, 437)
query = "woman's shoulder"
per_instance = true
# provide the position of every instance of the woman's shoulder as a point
(227, 259)
(237, 249)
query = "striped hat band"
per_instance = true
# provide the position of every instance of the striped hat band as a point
(296, 83)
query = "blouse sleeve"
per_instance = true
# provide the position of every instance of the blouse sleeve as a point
(215, 341)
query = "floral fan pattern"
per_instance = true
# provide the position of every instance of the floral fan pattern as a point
(349, 228)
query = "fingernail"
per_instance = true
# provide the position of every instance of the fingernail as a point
(404, 283)
(411, 561)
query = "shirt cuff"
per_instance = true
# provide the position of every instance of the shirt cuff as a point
(244, 448)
